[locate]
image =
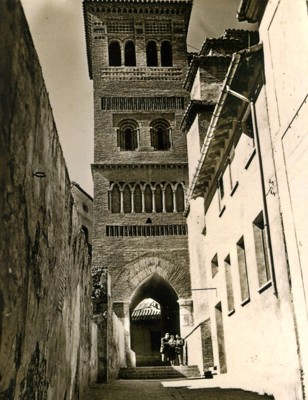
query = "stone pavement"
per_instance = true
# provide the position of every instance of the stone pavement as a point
(164, 390)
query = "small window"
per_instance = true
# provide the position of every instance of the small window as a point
(130, 54)
(158, 199)
(242, 266)
(262, 252)
(214, 265)
(151, 51)
(127, 202)
(166, 54)
(160, 135)
(179, 195)
(138, 199)
(115, 200)
(148, 199)
(169, 199)
(230, 296)
(114, 54)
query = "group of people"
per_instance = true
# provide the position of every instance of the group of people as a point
(171, 349)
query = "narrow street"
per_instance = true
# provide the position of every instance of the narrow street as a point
(193, 389)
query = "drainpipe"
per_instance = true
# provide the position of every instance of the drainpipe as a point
(265, 208)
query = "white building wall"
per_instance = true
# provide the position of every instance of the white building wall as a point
(284, 33)
(260, 343)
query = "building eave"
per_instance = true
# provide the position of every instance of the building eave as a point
(219, 128)
(251, 10)
(194, 107)
(202, 61)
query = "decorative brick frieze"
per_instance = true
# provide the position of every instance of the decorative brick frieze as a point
(142, 74)
(142, 103)
(146, 230)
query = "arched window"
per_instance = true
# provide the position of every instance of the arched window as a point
(130, 54)
(114, 54)
(160, 135)
(158, 199)
(179, 195)
(152, 59)
(166, 54)
(169, 198)
(127, 135)
(148, 199)
(127, 200)
(115, 200)
(137, 199)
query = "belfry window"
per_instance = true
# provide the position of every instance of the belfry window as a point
(130, 54)
(114, 54)
(160, 135)
(127, 136)
(166, 54)
(152, 59)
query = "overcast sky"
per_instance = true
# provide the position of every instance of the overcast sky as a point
(57, 29)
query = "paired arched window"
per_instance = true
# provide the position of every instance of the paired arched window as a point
(130, 54)
(127, 135)
(165, 54)
(160, 135)
(115, 60)
(114, 52)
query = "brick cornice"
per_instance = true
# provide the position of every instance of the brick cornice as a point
(104, 166)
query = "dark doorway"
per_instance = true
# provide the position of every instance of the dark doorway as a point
(147, 330)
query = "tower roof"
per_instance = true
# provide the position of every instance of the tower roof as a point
(98, 6)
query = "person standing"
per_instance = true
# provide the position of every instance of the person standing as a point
(179, 348)
(172, 355)
(164, 348)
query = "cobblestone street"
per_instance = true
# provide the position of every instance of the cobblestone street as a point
(165, 390)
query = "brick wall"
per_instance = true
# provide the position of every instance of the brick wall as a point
(45, 278)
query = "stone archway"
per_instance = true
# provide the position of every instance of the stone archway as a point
(147, 331)
(157, 278)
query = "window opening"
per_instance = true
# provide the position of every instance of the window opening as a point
(148, 199)
(242, 265)
(137, 199)
(169, 199)
(160, 135)
(214, 265)
(115, 200)
(130, 54)
(127, 138)
(261, 246)
(180, 206)
(230, 296)
(158, 199)
(166, 54)
(127, 200)
(114, 54)
(151, 52)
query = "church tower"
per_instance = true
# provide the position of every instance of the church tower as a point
(137, 60)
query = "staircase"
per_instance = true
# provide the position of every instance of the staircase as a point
(176, 372)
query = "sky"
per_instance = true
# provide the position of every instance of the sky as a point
(57, 28)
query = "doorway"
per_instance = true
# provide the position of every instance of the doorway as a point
(154, 310)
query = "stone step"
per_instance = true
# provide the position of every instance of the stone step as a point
(169, 372)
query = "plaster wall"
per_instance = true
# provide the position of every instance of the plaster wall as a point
(284, 33)
(45, 277)
(263, 325)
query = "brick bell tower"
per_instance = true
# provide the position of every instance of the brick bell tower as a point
(137, 59)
